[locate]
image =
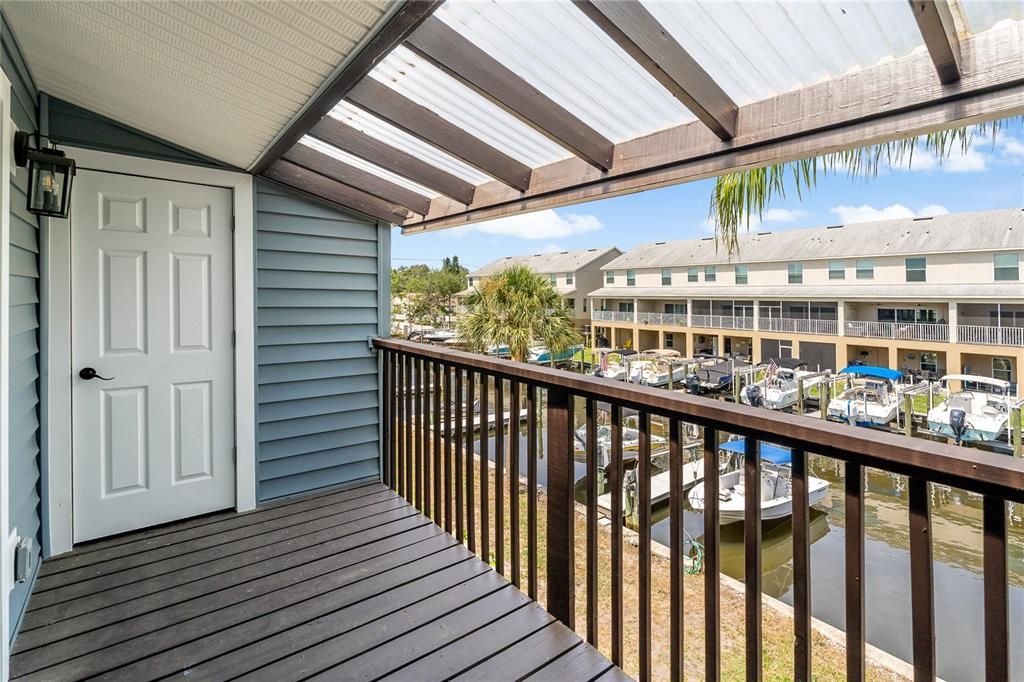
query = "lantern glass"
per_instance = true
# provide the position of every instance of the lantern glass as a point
(50, 179)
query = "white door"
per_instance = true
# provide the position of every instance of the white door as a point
(152, 312)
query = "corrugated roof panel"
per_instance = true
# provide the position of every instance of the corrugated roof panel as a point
(564, 55)
(171, 68)
(385, 132)
(425, 84)
(756, 50)
(984, 14)
(355, 161)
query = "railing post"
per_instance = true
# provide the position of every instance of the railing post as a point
(561, 585)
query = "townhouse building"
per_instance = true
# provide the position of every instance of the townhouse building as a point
(934, 295)
(574, 274)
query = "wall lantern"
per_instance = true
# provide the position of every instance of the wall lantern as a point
(50, 174)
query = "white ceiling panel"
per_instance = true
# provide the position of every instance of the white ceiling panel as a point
(220, 78)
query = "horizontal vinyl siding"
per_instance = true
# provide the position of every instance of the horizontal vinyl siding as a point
(24, 495)
(317, 382)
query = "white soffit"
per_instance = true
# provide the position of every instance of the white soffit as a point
(220, 78)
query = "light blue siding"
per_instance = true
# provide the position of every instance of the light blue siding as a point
(317, 301)
(24, 494)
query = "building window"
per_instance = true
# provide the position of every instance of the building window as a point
(470, 281)
(930, 362)
(630, 278)
(570, 303)
(709, 273)
(609, 277)
(568, 278)
(796, 273)
(675, 308)
(741, 274)
(1002, 368)
(837, 269)
(691, 274)
(1007, 267)
(916, 269)
(785, 348)
(554, 280)
(666, 277)
(865, 269)
(625, 307)
(669, 340)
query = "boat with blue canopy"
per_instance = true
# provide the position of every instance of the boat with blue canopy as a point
(886, 373)
(872, 399)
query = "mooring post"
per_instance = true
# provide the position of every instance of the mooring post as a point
(1016, 426)
(908, 414)
(800, 396)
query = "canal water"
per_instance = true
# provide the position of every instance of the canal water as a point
(957, 553)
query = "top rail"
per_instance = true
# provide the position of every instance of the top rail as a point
(970, 469)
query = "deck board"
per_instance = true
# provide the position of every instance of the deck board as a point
(352, 584)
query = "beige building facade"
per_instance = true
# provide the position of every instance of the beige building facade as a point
(574, 274)
(936, 295)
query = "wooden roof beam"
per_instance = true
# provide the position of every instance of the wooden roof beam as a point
(369, 148)
(335, 169)
(633, 28)
(935, 21)
(447, 49)
(299, 178)
(378, 46)
(421, 122)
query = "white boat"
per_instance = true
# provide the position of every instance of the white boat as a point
(873, 400)
(540, 355)
(776, 485)
(978, 412)
(658, 368)
(779, 391)
(614, 364)
(630, 440)
(439, 335)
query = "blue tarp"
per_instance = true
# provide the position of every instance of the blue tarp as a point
(770, 452)
(874, 372)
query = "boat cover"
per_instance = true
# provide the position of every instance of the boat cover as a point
(770, 452)
(874, 372)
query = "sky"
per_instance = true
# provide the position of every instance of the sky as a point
(989, 175)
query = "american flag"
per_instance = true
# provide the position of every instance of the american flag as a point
(604, 362)
(769, 373)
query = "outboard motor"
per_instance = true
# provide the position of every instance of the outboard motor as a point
(755, 396)
(958, 423)
(693, 384)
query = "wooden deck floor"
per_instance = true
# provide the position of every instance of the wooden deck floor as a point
(352, 584)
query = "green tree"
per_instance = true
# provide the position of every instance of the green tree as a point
(430, 296)
(515, 308)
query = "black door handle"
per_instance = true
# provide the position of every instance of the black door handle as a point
(89, 373)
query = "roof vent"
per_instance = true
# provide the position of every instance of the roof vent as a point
(591, 250)
(562, 253)
(658, 243)
(833, 227)
(923, 218)
(707, 239)
(761, 234)
(536, 255)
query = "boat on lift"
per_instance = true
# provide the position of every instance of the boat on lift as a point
(873, 399)
(778, 389)
(776, 484)
(978, 413)
(540, 355)
(439, 335)
(630, 439)
(614, 364)
(659, 367)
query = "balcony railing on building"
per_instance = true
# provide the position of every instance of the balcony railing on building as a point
(722, 322)
(990, 336)
(611, 316)
(667, 319)
(798, 325)
(910, 331)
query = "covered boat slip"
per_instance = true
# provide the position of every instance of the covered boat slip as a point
(352, 583)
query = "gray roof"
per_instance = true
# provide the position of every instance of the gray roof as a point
(546, 263)
(955, 232)
(846, 291)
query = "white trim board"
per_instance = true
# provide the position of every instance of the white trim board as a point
(6, 556)
(58, 532)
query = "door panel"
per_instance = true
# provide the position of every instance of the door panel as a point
(151, 311)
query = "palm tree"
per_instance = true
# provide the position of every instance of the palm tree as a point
(739, 196)
(515, 308)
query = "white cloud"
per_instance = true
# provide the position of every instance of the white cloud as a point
(783, 215)
(545, 224)
(1010, 147)
(552, 248)
(865, 213)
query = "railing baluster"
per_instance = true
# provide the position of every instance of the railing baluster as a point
(499, 474)
(395, 423)
(921, 581)
(399, 425)
(676, 568)
(460, 520)
(436, 440)
(424, 468)
(531, 490)
(591, 557)
(644, 520)
(801, 570)
(485, 496)
(561, 583)
(997, 657)
(712, 561)
(854, 571)
(752, 554)
(386, 420)
(513, 462)
(470, 437)
(409, 464)
(615, 482)
(448, 449)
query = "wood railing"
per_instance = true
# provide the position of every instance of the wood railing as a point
(437, 469)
